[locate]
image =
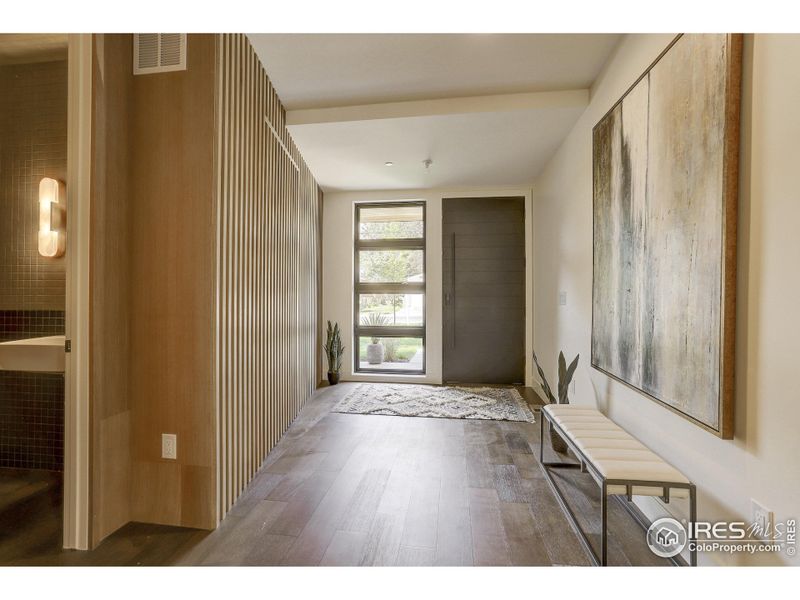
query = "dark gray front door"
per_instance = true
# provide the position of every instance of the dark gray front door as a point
(483, 290)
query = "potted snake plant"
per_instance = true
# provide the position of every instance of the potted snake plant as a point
(333, 351)
(565, 374)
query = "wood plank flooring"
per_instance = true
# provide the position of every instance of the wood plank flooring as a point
(342, 489)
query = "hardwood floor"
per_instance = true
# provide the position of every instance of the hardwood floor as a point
(342, 489)
(30, 513)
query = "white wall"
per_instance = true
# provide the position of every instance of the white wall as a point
(337, 272)
(762, 461)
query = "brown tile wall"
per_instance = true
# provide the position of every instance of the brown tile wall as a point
(33, 144)
(32, 420)
(22, 324)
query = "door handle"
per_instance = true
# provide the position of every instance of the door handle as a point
(453, 286)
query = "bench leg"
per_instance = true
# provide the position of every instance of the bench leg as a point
(604, 526)
(562, 502)
(692, 522)
(541, 436)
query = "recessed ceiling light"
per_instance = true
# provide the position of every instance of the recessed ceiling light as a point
(389, 163)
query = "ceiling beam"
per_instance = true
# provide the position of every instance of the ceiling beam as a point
(440, 106)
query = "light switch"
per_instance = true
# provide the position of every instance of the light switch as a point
(562, 298)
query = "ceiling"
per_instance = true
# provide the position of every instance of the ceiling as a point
(499, 149)
(23, 48)
(481, 106)
(321, 70)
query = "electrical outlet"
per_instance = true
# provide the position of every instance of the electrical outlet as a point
(562, 298)
(169, 445)
(762, 521)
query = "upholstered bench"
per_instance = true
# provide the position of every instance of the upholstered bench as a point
(619, 463)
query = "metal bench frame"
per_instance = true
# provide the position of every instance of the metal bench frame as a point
(585, 465)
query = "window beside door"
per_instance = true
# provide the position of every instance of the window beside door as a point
(389, 293)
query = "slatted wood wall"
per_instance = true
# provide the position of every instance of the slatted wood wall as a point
(268, 263)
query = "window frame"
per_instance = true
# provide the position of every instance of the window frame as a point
(359, 287)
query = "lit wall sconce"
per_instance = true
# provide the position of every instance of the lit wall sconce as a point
(52, 218)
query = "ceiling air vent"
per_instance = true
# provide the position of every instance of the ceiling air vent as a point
(158, 52)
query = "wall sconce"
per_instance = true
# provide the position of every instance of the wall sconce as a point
(52, 218)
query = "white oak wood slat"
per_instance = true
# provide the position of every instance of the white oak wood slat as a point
(248, 177)
(237, 269)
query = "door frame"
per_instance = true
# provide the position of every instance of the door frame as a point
(526, 193)
(77, 475)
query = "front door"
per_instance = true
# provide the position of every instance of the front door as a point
(483, 290)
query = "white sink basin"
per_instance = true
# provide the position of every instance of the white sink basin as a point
(33, 354)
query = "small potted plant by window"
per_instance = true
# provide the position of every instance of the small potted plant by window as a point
(333, 351)
(375, 350)
(565, 374)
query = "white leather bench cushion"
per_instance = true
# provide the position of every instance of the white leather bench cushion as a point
(614, 452)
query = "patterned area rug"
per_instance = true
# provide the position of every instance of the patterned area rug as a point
(446, 402)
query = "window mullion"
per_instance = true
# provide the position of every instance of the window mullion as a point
(408, 244)
(390, 288)
(390, 331)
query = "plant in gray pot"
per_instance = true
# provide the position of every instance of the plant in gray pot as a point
(565, 374)
(333, 351)
(375, 350)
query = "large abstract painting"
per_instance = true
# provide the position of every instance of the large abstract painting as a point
(665, 187)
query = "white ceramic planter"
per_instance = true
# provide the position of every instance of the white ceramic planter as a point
(374, 354)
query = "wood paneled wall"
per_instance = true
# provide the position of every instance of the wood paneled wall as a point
(172, 283)
(268, 263)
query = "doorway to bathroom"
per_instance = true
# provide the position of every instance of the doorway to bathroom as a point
(39, 113)
(34, 90)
